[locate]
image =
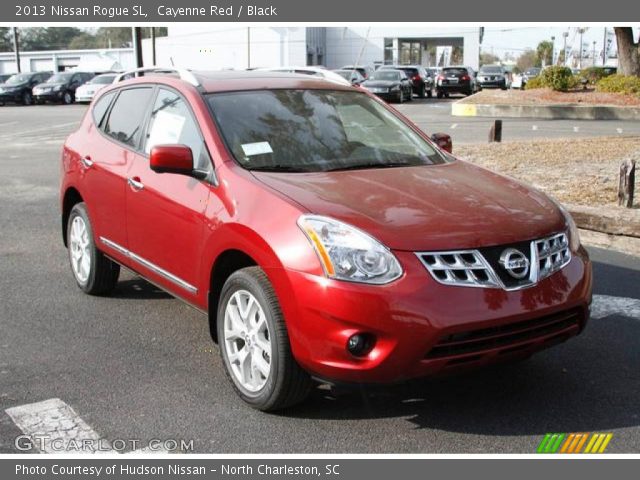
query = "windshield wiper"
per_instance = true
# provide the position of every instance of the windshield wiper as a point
(363, 166)
(277, 168)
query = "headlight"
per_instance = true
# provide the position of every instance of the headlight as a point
(57, 88)
(574, 235)
(395, 87)
(347, 253)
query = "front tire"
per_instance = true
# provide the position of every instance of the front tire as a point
(67, 98)
(95, 274)
(254, 343)
(27, 98)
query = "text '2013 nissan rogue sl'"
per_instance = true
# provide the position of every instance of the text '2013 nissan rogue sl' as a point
(325, 235)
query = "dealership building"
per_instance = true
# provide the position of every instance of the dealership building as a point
(209, 47)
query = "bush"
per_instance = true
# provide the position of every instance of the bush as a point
(535, 82)
(627, 84)
(558, 78)
(594, 74)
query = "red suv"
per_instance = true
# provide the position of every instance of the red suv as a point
(324, 235)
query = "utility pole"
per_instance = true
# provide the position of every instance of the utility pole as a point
(604, 48)
(580, 31)
(593, 55)
(153, 45)
(564, 48)
(16, 48)
(137, 45)
(553, 50)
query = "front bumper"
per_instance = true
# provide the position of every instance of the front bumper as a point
(49, 96)
(493, 84)
(390, 96)
(454, 88)
(10, 97)
(425, 328)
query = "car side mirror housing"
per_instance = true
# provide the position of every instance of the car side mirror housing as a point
(172, 159)
(443, 141)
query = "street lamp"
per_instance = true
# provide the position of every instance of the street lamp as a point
(553, 50)
(593, 54)
(581, 32)
(564, 48)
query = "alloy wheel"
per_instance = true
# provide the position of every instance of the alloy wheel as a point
(79, 250)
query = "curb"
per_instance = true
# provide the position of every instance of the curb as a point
(552, 112)
(619, 243)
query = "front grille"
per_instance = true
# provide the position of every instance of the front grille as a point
(510, 267)
(475, 342)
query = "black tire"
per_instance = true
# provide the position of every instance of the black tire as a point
(67, 98)
(430, 93)
(440, 94)
(287, 383)
(410, 96)
(423, 92)
(401, 96)
(27, 98)
(104, 273)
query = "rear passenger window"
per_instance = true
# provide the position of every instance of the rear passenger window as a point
(126, 117)
(171, 123)
(100, 108)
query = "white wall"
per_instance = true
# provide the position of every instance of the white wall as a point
(50, 60)
(225, 47)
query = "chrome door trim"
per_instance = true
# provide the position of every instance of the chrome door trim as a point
(151, 266)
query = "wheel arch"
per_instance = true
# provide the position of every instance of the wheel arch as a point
(71, 197)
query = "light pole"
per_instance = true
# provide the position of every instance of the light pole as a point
(604, 48)
(593, 55)
(581, 32)
(564, 48)
(553, 50)
(16, 48)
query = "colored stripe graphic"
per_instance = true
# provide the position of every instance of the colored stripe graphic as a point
(574, 443)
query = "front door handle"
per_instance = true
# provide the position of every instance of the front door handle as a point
(135, 184)
(86, 161)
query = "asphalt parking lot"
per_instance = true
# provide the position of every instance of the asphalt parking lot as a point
(141, 365)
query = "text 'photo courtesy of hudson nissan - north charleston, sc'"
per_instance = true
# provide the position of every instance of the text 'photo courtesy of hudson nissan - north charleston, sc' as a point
(326, 237)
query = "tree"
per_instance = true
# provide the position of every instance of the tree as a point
(6, 44)
(628, 51)
(526, 60)
(488, 59)
(544, 53)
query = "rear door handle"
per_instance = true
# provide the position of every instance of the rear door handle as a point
(135, 183)
(86, 161)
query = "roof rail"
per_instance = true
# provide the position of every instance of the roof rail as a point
(184, 74)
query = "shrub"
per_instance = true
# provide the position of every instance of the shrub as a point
(558, 78)
(627, 84)
(535, 82)
(594, 74)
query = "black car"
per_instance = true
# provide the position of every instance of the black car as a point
(17, 89)
(390, 85)
(456, 80)
(421, 79)
(353, 76)
(61, 87)
(5, 76)
(493, 76)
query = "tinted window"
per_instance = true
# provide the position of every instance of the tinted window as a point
(491, 70)
(100, 108)
(316, 130)
(60, 78)
(171, 123)
(126, 117)
(454, 71)
(386, 75)
(410, 71)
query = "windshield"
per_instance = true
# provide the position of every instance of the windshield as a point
(60, 78)
(18, 78)
(316, 130)
(386, 75)
(346, 74)
(102, 79)
(491, 70)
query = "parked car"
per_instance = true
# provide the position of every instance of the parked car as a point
(320, 72)
(86, 92)
(456, 80)
(61, 87)
(17, 89)
(352, 76)
(324, 235)
(493, 76)
(529, 74)
(5, 76)
(390, 85)
(420, 78)
(364, 70)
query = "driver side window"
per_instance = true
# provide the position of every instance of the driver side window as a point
(171, 122)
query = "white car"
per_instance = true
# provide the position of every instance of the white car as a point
(86, 92)
(313, 71)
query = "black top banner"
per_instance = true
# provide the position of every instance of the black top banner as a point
(623, 12)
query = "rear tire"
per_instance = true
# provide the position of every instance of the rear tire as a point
(430, 93)
(95, 274)
(27, 98)
(440, 94)
(67, 98)
(251, 329)
(423, 92)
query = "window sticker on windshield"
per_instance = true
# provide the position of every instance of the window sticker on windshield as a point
(257, 148)
(166, 129)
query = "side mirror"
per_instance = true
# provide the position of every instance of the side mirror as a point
(171, 159)
(443, 141)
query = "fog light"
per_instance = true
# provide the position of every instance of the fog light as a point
(360, 344)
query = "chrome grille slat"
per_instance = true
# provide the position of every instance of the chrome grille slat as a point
(470, 268)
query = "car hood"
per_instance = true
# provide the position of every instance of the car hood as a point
(13, 85)
(439, 207)
(380, 83)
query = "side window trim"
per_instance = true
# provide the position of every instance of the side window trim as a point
(99, 125)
